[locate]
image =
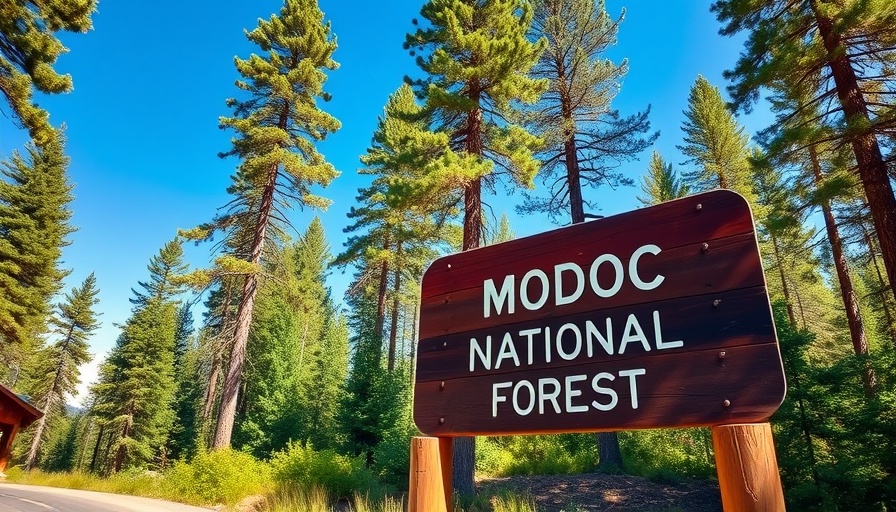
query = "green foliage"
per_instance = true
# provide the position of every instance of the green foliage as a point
(585, 139)
(28, 51)
(666, 455)
(661, 183)
(34, 222)
(55, 368)
(341, 476)
(715, 143)
(537, 455)
(220, 476)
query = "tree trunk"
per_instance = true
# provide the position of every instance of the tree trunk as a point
(784, 285)
(227, 414)
(871, 165)
(610, 456)
(884, 287)
(396, 303)
(464, 453)
(576, 202)
(35, 443)
(847, 291)
(96, 448)
(381, 294)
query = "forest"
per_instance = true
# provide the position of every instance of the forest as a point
(248, 376)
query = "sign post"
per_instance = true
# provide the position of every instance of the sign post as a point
(655, 318)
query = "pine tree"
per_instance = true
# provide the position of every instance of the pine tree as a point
(28, 50)
(57, 374)
(715, 143)
(852, 46)
(34, 219)
(184, 435)
(276, 128)
(585, 138)
(135, 394)
(477, 58)
(661, 183)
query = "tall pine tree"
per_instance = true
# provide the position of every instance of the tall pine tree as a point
(586, 139)
(477, 58)
(57, 372)
(276, 128)
(34, 222)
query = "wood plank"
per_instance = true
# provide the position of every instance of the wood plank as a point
(722, 213)
(729, 263)
(696, 388)
(717, 321)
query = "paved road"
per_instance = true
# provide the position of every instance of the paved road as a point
(33, 498)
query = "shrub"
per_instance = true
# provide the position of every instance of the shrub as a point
(220, 476)
(341, 476)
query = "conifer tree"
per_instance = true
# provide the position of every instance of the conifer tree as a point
(57, 372)
(184, 435)
(134, 397)
(34, 222)
(586, 139)
(715, 143)
(276, 128)
(28, 50)
(477, 58)
(661, 183)
(851, 45)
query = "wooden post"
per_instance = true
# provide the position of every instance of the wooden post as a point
(430, 489)
(747, 468)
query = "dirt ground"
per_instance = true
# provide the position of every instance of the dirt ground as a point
(616, 493)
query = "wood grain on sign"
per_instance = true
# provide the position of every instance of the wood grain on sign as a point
(712, 299)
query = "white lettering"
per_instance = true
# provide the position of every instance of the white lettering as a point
(614, 398)
(617, 267)
(569, 356)
(571, 392)
(516, 403)
(507, 351)
(551, 397)
(496, 398)
(628, 337)
(529, 333)
(559, 298)
(484, 357)
(524, 289)
(633, 387)
(491, 296)
(660, 344)
(592, 332)
(633, 268)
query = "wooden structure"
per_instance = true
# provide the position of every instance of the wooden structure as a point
(15, 414)
(654, 318)
(650, 319)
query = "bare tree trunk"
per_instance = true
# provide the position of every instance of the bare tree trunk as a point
(784, 284)
(396, 303)
(871, 165)
(610, 456)
(464, 452)
(35, 443)
(381, 295)
(847, 291)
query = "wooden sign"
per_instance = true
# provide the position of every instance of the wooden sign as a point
(654, 318)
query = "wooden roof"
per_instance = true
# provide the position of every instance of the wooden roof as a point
(30, 413)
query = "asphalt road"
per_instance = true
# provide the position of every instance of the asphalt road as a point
(33, 498)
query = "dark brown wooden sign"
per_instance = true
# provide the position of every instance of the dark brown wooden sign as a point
(654, 318)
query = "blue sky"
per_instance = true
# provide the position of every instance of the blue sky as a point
(152, 77)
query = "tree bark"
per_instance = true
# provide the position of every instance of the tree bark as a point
(610, 460)
(396, 303)
(847, 291)
(464, 453)
(227, 414)
(872, 167)
(381, 294)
